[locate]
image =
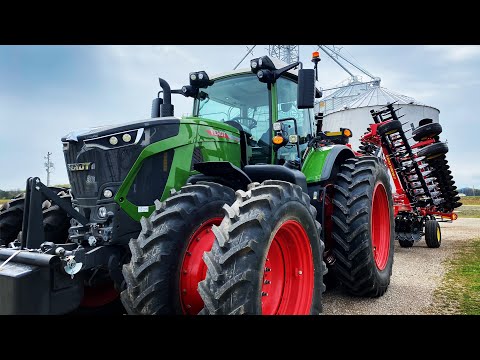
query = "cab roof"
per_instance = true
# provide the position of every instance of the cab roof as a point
(277, 62)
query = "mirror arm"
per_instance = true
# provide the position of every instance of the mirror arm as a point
(279, 72)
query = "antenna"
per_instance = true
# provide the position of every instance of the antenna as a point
(49, 167)
(248, 52)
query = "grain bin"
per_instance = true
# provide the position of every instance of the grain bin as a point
(349, 107)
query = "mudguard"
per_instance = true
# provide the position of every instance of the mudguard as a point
(320, 164)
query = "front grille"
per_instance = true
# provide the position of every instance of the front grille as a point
(106, 166)
(151, 179)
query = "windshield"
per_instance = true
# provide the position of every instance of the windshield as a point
(242, 101)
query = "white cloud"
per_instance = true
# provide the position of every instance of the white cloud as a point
(124, 80)
(456, 53)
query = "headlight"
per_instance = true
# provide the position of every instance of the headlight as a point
(126, 137)
(115, 140)
(107, 193)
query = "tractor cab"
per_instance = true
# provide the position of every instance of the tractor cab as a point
(252, 104)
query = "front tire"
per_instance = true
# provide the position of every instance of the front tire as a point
(267, 255)
(363, 226)
(166, 263)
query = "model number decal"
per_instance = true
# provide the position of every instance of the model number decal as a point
(80, 166)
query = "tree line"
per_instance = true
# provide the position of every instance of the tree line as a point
(469, 191)
(10, 194)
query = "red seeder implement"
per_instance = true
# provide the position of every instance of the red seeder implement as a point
(425, 190)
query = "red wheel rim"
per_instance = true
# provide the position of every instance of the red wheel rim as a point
(380, 226)
(193, 268)
(287, 287)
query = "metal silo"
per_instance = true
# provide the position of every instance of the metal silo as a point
(353, 112)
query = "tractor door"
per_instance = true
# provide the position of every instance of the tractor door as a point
(284, 104)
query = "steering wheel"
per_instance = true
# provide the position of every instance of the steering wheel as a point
(245, 121)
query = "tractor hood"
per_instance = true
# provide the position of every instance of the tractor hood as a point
(96, 132)
(101, 157)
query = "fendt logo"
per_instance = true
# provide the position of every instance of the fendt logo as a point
(80, 166)
(217, 133)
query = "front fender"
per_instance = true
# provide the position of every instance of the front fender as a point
(319, 163)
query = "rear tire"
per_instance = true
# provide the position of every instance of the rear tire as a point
(11, 217)
(267, 255)
(160, 252)
(433, 234)
(363, 227)
(56, 222)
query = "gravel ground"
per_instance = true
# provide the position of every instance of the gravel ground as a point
(417, 271)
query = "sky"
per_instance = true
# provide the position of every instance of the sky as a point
(48, 91)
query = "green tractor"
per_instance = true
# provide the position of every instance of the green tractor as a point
(239, 209)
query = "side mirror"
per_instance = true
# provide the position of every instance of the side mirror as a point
(306, 89)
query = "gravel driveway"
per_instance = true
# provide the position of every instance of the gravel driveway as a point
(417, 271)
